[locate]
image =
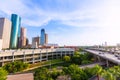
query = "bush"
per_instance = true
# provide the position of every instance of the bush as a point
(42, 74)
(75, 72)
(66, 58)
(3, 74)
(15, 66)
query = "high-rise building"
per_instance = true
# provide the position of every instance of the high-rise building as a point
(0, 44)
(5, 31)
(35, 42)
(42, 40)
(46, 38)
(15, 31)
(23, 37)
(27, 41)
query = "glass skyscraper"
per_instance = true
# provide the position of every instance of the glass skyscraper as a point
(15, 30)
(42, 39)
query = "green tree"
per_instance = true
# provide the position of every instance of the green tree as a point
(42, 74)
(54, 74)
(97, 70)
(3, 74)
(15, 66)
(88, 71)
(108, 76)
(76, 58)
(75, 72)
(66, 58)
(112, 73)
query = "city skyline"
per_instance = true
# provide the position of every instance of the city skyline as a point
(68, 22)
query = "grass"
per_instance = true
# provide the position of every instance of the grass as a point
(55, 61)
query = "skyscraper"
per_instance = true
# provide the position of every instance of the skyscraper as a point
(35, 42)
(42, 39)
(46, 38)
(0, 44)
(5, 31)
(27, 41)
(23, 37)
(15, 30)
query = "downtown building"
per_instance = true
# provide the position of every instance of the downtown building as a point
(23, 38)
(35, 42)
(15, 31)
(5, 31)
(44, 38)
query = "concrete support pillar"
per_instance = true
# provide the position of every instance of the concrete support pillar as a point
(24, 56)
(72, 53)
(56, 55)
(107, 63)
(65, 53)
(3, 61)
(99, 59)
(33, 57)
(69, 53)
(52, 55)
(12, 56)
(40, 56)
(46, 54)
(95, 58)
(61, 54)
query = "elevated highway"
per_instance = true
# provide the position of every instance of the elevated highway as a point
(105, 55)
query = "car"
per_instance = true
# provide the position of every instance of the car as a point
(116, 55)
(119, 58)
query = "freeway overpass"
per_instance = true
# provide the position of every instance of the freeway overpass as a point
(105, 55)
(92, 65)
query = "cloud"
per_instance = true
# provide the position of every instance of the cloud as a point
(103, 15)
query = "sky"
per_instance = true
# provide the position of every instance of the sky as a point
(68, 22)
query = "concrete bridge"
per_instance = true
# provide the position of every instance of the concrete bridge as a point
(107, 56)
(92, 65)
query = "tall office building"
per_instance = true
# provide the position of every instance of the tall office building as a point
(5, 31)
(0, 44)
(27, 41)
(46, 38)
(35, 42)
(15, 31)
(42, 40)
(23, 37)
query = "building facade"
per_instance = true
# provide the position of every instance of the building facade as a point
(15, 31)
(35, 42)
(46, 38)
(0, 44)
(23, 37)
(42, 40)
(5, 31)
(34, 55)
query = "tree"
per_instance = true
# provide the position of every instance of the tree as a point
(42, 74)
(3, 74)
(75, 72)
(112, 73)
(97, 70)
(66, 58)
(54, 74)
(76, 58)
(108, 76)
(15, 66)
